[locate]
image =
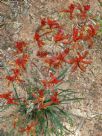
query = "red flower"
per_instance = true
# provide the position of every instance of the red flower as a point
(91, 30)
(90, 33)
(20, 46)
(15, 76)
(43, 22)
(6, 95)
(40, 43)
(79, 61)
(51, 82)
(86, 7)
(37, 36)
(38, 98)
(54, 98)
(11, 78)
(83, 10)
(59, 37)
(62, 55)
(44, 105)
(21, 62)
(28, 128)
(70, 10)
(16, 72)
(76, 34)
(52, 23)
(45, 83)
(57, 60)
(52, 61)
(42, 54)
(54, 79)
(11, 101)
(41, 93)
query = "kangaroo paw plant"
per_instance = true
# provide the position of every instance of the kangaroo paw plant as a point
(39, 68)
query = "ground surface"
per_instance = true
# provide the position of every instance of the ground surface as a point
(18, 20)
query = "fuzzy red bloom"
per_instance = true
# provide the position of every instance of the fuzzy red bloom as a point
(45, 83)
(83, 10)
(91, 30)
(11, 101)
(53, 23)
(52, 61)
(41, 93)
(20, 46)
(57, 60)
(43, 22)
(40, 43)
(62, 55)
(86, 7)
(70, 10)
(54, 79)
(59, 37)
(44, 105)
(21, 62)
(38, 98)
(76, 34)
(54, 98)
(51, 82)
(28, 128)
(79, 61)
(6, 95)
(36, 36)
(14, 77)
(16, 72)
(42, 54)
(11, 78)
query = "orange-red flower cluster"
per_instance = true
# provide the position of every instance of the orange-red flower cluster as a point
(57, 60)
(8, 97)
(51, 82)
(21, 62)
(31, 126)
(20, 46)
(15, 76)
(79, 61)
(74, 7)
